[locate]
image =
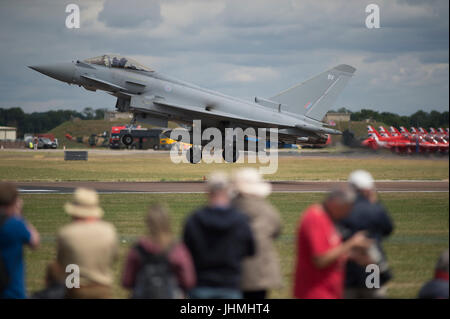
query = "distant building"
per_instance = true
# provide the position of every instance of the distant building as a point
(8, 133)
(337, 117)
(113, 115)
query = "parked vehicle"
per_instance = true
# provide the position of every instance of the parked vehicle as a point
(44, 142)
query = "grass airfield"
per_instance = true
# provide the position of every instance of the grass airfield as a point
(421, 219)
(156, 166)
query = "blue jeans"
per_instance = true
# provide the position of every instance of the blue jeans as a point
(214, 293)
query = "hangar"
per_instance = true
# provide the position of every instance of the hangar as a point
(8, 133)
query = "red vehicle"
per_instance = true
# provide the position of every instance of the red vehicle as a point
(114, 140)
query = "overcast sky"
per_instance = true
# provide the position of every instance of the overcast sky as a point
(243, 48)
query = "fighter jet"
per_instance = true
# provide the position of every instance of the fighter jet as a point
(155, 98)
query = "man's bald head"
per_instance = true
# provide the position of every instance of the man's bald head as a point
(339, 201)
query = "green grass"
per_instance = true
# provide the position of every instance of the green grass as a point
(151, 166)
(421, 233)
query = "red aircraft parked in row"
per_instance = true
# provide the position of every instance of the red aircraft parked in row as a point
(419, 141)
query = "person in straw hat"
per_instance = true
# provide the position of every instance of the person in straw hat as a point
(89, 243)
(260, 272)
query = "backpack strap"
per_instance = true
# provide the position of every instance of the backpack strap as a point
(146, 254)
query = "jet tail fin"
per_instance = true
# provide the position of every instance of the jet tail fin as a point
(316, 96)
(383, 131)
(372, 132)
(404, 130)
(395, 131)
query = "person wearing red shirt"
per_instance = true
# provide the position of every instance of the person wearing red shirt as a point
(321, 254)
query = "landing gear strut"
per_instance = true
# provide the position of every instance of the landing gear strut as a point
(194, 154)
(230, 153)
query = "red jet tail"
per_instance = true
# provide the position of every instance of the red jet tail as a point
(372, 131)
(384, 132)
(394, 131)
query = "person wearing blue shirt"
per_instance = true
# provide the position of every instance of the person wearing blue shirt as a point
(15, 232)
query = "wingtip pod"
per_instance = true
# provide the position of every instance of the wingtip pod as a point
(345, 68)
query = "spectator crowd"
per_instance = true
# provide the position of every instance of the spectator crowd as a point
(227, 249)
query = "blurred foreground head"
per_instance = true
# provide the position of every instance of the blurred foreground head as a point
(219, 188)
(339, 201)
(8, 194)
(85, 204)
(158, 223)
(8, 197)
(442, 264)
(248, 181)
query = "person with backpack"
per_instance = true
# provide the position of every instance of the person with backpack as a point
(15, 232)
(158, 267)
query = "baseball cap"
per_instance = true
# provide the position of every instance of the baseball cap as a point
(361, 179)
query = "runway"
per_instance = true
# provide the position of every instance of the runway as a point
(200, 187)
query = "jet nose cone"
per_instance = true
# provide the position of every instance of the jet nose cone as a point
(61, 71)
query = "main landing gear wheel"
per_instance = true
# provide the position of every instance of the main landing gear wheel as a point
(127, 139)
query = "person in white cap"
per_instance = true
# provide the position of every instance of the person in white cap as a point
(90, 244)
(260, 272)
(370, 216)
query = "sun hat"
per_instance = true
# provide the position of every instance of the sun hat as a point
(249, 181)
(85, 203)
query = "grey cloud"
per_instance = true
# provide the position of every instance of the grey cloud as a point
(130, 13)
(294, 39)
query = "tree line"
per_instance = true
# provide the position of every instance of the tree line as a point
(418, 119)
(42, 122)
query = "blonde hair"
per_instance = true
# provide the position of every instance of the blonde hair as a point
(158, 224)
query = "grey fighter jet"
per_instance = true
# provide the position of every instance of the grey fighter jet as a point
(155, 98)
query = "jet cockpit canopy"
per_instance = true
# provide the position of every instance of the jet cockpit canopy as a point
(117, 61)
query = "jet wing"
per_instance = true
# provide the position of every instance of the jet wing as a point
(215, 114)
(317, 129)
